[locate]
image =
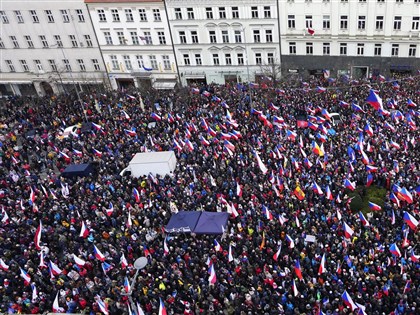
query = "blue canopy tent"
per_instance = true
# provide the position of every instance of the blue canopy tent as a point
(212, 223)
(78, 170)
(183, 222)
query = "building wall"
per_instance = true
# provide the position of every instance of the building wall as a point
(39, 54)
(236, 59)
(359, 40)
(125, 42)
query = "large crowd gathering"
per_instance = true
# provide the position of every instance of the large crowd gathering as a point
(273, 158)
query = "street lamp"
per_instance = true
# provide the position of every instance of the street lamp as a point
(246, 53)
(139, 264)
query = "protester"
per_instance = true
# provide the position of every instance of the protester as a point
(68, 245)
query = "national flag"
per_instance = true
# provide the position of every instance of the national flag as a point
(294, 287)
(106, 267)
(328, 193)
(136, 195)
(298, 192)
(322, 268)
(338, 269)
(266, 212)
(126, 116)
(261, 165)
(123, 261)
(34, 293)
(282, 219)
(238, 190)
(394, 198)
(320, 89)
(277, 254)
(130, 133)
(37, 239)
(349, 185)
(326, 114)
(348, 232)
(32, 196)
(308, 164)
(127, 286)
(390, 127)
(368, 129)
(339, 215)
(410, 103)
(77, 153)
(54, 269)
(371, 169)
(311, 31)
(217, 246)
(139, 309)
(41, 261)
(369, 180)
(395, 85)
(317, 189)
(405, 242)
(96, 126)
(364, 221)
(84, 231)
(374, 100)
(374, 206)
(317, 149)
(56, 307)
(155, 117)
(386, 290)
(212, 277)
(291, 135)
(65, 156)
(206, 93)
(103, 307)
(3, 265)
(98, 254)
(25, 276)
(407, 286)
(195, 91)
(80, 262)
(97, 153)
(298, 269)
(404, 194)
(411, 221)
(343, 104)
(230, 255)
(414, 257)
(290, 241)
(395, 250)
(229, 145)
(348, 301)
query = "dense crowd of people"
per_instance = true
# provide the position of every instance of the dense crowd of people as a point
(273, 158)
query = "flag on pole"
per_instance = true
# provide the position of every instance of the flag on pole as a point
(3, 265)
(123, 261)
(277, 254)
(84, 231)
(212, 277)
(261, 165)
(98, 254)
(230, 256)
(322, 269)
(410, 220)
(298, 269)
(295, 290)
(56, 307)
(165, 247)
(80, 262)
(348, 301)
(26, 277)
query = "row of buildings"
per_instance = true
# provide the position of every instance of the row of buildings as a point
(55, 46)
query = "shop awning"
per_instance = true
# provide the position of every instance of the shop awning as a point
(164, 85)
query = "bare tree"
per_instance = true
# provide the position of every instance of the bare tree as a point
(272, 71)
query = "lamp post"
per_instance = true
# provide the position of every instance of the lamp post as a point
(139, 264)
(246, 53)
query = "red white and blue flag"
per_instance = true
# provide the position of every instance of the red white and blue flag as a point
(84, 231)
(80, 262)
(212, 277)
(217, 246)
(25, 276)
(56, 307)
(298, 269)
(136, 195)
(348, 301)
(374, 206)
(395, 250)
(374, 100)
(348, 232)
(98, 254)
(322, 268)
(411, 221)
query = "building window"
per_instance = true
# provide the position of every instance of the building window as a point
(309, 48)
(222, 13)
(378, 50)
(257, 37)
(381, 1)
(269, 36)
(326, 49)
(108, 38)
(399, 1)
(362, 0)
(412, 50)
(198, 60)
(212, 35)
(166, 62)
(38, 65)
(82, 66)
(308, 21)
(14, 41)
(129, 15)
(67, 65)
(127, 62)
(238, 36)
(4, 17)
(291, 23)
(397, 23)
(147, 38)
(267, 12)
(101, 15)
(1, 43)
(50, 16)
(344, 0)
(343, 22)
(228, 59)
(292, 48)
(254, 12)
(19, 16)
(225, 37)
(326, 24)
(270, 58)
(53, 66)
(343, 49)
(66, 18)
(73, 41)
(115, 15)
(162, 39)
(140, 61)
(156, 15)
(209, 13)
(88, 41)
(394, 50)
(34, 16)
(142, 15)
(194, 37)
(235, 12)
(96, 65)
(258, 58)
(216, 61)
(182, 37)
(178, 14)
(240, 58)
(9, 63)
(186, 59)
(44, 41)
(415, 23)
(29, 41)
(379, 23)
(190, 13)
(153, 62)
(360, 49)
(24, 65)
(114, 62)
(80, 15)
(121, 38)
(361, 23)
(58, 41)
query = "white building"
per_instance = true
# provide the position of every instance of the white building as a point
(47, 47)
(219, 41)
(135, 41)
(357, 37)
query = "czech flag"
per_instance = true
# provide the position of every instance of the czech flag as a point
(97, 153)
(374, 206)
(37, 239)
(195, 91)
(261, 165)
(84, 232)
(290, 241)
(348, 301)
(368, 129)
(295, 290)
(414, 257)
(328, 193)
(277, 254)
(374, 100)
(291, 135)
(54, 269)
(212, 278)
(26, 277)
(206, 93)
(395, 250)
(364, 221)
(410, 220)
(80, 262)
(155, 117)
(320, 89)
(96, 126)
(3, 265)
(103, 307)
(98, 254)
(78, 153)
(317, 189)
(136, 195)
(123, 261)
(406, 195)
(267, 213)
(322, 269)
(370, 168)
(217, 246)
(348, 232)
(349, 185)
(130, 133)
(127, 286)
(298, 270)
(56, 307)
(410, 103)
(369, 180)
